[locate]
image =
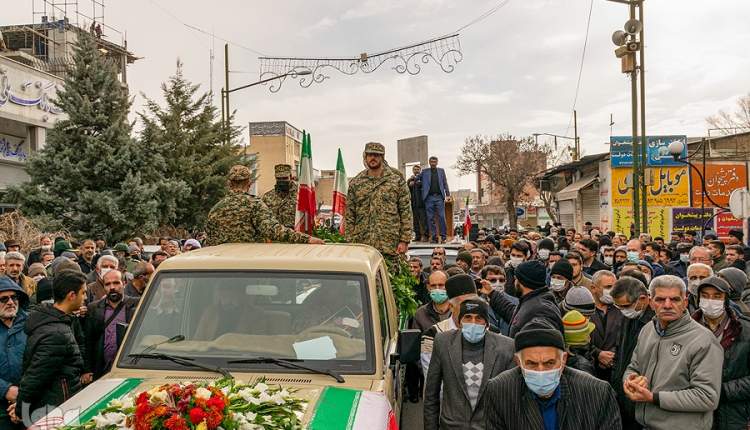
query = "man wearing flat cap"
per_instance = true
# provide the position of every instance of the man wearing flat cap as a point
(543, 393)
(378, 209)
(240, 217)
(282, 199)
(463, 362)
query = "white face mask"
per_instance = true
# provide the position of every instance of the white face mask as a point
(712, 308)
(515, 261)
(631, 313)
(103, 272)
(685, 258)
(693, 286)
(557, 284)
(606, 297)
(543, 254)
(608, 261)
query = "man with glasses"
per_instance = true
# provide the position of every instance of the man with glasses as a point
(13, 341)
(674, 377)
(492, 286)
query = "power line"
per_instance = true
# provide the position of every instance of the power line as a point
(580, 68)
(200, 30)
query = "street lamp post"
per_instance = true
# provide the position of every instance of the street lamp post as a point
(675, 149)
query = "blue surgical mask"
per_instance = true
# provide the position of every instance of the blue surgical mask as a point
(473, 333)
(438, 296)
(542, 383)
(633, 255)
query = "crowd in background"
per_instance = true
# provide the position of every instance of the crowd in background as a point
(60, 305)
(608, 331)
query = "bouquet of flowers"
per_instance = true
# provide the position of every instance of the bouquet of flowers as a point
(223, 404)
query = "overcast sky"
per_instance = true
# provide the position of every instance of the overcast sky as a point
(518, 74)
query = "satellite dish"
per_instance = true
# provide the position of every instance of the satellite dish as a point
(739, 203)
(619, 38)
(633, 26)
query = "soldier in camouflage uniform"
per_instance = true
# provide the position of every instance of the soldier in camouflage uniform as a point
(378, 211)
(241, 217)
(282, 200)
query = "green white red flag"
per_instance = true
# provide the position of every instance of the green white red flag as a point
(304, 219)
(467, 220)
(340, 189)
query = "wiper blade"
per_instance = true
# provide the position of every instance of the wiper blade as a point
(174, 339)
(289, 364)
(184, 361)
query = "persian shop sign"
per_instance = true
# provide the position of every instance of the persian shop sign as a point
(669, 187)
(721, 180)
(657, 151)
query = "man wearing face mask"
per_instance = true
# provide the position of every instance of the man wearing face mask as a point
(282, 199)
(457, 399)
(674, 377)
(560, 279)
(95, 290)
(696, 273)
(630, 297)
(634, 250)
(492, 286)
(733, 332)
(543, 393)
(608, 322)
(101, 323)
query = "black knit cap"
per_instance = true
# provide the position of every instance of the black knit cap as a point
(539, 332)
(459, 285)
(532, 274)
(474, 306)
(546, 243)
(563, 268)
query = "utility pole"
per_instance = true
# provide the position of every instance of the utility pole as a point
(225, 92)
(644, 143)
(637, 177)
(577, 146)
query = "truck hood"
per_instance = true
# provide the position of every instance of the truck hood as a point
(327, 404)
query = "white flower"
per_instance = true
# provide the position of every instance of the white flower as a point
(264, 397)
(158, 396)
(278, 399)
(284, 393)
(127, 402)
(109, 419)
(203, 393)
(250, 416)
(261, 387)
(225, 390)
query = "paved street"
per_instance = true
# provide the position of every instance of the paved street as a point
(411, 416)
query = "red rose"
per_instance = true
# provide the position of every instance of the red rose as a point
(175, 422)
(142, 398)
(197, 415)
(214, 419)
(142, 409)
(216, 403)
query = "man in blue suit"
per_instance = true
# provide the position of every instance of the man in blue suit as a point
(434, 192)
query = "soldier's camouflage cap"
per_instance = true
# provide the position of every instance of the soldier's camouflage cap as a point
(282, 170)
(239, 173)
(374, 148)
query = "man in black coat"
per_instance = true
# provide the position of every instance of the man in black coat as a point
(588, 249)
(101, 323)
(421, 233)
(542, 392)
(52, 362)
(536, 299)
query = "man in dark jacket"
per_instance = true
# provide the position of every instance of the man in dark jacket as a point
(536, 299)
(733, 331)
(52, 361)
(13, 304)
(543, 393)
(588, 249)
(417, 205)
(101, 323)
(630, 297)
(463, 361)
(608, 322)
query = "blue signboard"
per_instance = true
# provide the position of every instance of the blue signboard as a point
(657, 151)
(520, 212)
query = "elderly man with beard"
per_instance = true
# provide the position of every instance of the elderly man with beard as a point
(86, 259)
(101, 323)
(13, 301)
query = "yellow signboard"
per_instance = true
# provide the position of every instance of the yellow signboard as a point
(658, 221)
(667, 187)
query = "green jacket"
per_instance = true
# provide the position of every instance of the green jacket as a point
(283, 205)
(683, 368)
(378, 211)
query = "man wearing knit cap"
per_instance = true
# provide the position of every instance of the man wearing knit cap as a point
(578, 341)
(459, 288)
(464, 360)
(543, 393)
(579, 299)
(737, 280)
(561, 279)
(536, 299)
(463, 261)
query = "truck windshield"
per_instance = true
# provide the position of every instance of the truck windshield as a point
(321, 319)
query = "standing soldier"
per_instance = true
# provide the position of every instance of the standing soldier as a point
(282, 200)
(241, 217)
(379, 208)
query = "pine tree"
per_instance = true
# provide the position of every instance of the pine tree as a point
(190, 136)
(92, 177)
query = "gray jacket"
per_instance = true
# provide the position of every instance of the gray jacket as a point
(454, 412)
(683, 369)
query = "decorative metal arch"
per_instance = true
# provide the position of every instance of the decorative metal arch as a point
(444, 51)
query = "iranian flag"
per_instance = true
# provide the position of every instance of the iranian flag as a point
(340, 188)
(467, 220)
(348, 409)
(304, 220)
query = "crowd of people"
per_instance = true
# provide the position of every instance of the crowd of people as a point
(561, 329)
(60, 307)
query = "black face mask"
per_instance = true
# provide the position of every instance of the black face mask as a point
(283, 186)
(114, 297)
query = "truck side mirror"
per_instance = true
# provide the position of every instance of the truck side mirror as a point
(120, 330)
(408, 345)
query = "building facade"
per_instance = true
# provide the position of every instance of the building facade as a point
(272, 143)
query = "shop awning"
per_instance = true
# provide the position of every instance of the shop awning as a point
(571, 191)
